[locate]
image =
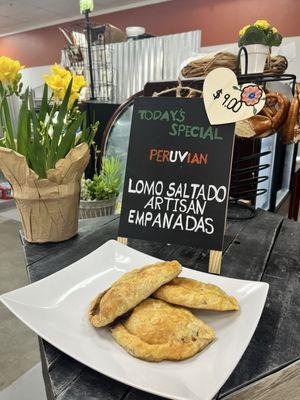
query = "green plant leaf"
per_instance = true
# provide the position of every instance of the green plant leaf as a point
(83, 135)
(23, 135)
(34, 119)
(91, 132)
(3, 142)
(58, 127)
(88, 133)
(274, 39)
(9, 128)
(36, 159)
(45, 128)
(253, 35)
(84, 127)
(44, 104)
(68, 139)
(107, 184)
(36, 153)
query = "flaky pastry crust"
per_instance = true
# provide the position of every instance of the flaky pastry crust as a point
(195, 294)
(129, 290)
(157, 331)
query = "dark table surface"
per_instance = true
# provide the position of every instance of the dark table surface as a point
(265, 248)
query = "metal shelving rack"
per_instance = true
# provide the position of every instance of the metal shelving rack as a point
(245, 180)
(245, 175)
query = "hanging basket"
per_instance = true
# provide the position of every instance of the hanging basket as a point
(48, 207)
(96, 208)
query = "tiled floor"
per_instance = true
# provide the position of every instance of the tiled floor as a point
(19, 346)
(29, 386)
(20, 371)
(11, 213)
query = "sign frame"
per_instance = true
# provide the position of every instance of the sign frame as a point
(215, 258)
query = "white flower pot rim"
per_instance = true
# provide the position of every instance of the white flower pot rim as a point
(257, 47)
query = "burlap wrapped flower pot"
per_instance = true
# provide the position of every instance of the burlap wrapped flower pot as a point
(48, 207)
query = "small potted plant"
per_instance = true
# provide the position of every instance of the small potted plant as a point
(258, 40)
(98, 195)
(44, 156)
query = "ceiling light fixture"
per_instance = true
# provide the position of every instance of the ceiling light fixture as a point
(86, 6)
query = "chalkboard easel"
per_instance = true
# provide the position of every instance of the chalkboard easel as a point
(215, 258)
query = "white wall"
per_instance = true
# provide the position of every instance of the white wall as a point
(34, 78)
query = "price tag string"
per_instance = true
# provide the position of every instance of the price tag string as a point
(178, 89)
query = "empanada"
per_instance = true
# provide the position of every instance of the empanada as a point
(194, 294)
(129, 290)
(157, 331)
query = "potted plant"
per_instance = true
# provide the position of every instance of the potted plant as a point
(258, 40)
(44, 157)
(98, 195)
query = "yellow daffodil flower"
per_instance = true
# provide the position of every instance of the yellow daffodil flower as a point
(58, 85)
(73, 97)
(78, 82)
(274, 30)
(59, 82)
(9, 70)
(57, 70)
(261, 23)
(243, 30)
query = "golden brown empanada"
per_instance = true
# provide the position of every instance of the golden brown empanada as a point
(194, 294)
(129, 290)
(157, 331)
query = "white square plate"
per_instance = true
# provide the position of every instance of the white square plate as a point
(56, 309)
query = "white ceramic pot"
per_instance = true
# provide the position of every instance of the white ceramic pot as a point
(257, 55)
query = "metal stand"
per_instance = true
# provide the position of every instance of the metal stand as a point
(244, 179)
(88, 34)
(241, 186)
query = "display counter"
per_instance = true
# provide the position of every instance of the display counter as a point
(264, 248)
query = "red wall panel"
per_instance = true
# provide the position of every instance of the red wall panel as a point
(219, 20)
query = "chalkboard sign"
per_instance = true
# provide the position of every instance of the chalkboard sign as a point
(177, 174)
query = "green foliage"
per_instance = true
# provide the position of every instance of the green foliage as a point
(253, 35)
(106, 185)
(7, 139)
(23, 133)
(274, 39)
(58, 127)
(44, 137)
(258, 35)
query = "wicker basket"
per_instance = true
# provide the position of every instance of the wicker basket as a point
(96, 208)
(202, 66)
